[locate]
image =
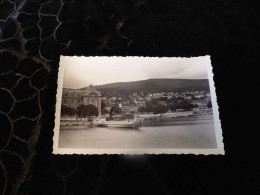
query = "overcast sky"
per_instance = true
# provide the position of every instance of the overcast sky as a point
(83, 71)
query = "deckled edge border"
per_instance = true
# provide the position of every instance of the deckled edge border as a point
(140, 151)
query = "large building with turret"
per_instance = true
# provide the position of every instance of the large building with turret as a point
(75, 97)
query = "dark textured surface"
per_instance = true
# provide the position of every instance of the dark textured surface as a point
(34, 33)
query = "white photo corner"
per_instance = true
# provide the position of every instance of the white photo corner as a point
(136, 105)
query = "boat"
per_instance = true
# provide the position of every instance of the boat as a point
(71, 121)
(118, 123)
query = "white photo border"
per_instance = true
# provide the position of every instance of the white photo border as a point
(197, 151)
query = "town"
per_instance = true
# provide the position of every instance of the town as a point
(149, 104)
(141, 104)
(158, 103)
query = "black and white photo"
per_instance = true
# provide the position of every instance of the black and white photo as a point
(136, 105)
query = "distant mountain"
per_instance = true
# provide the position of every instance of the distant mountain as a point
(156, 84)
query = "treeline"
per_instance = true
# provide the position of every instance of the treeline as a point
(68, 110)
(80, 111)
(156, 108)
(153, 106)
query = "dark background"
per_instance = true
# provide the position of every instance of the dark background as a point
(34, 33)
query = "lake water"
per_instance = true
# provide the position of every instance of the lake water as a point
(183, 132)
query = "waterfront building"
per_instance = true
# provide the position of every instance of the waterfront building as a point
(130, 108)
(75, 97)
(202, 104)
(199, 96)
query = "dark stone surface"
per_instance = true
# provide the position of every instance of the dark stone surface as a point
(38, 80)
(48, 24)
(70, 31)
(9, 80)
(8, 62)
(23, 128)
(23, 90)
(6, 129)
(27, 67)
(50, 7)
(8, 28)
(21, 109)
(7, 100)
(31, 32)
(6, 8)
(13, 43)
(49, 47)
(18, 146)
(34, 33)
(32, 44)
(26, 20)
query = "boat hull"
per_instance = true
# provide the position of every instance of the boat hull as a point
(118, 124)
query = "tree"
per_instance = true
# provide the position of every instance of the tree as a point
(209, 104)
(182, 105)
(142, 109)
(185, 105)
(68, 110)
(115, 109)
(180, 98)
(103, 105)
(171, 100)
(150, 106)
(162, 99)
(195, 105)
(87, 110)
(173, 107)
(160, 109)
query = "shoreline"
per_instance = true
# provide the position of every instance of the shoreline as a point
(145, 116)
(149, 122)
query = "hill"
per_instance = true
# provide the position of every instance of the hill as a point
(156, 85)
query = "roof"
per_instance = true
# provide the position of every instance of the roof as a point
(91, 90)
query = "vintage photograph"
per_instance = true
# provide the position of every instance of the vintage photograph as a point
(136, 105)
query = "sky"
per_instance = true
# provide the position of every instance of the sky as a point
(83, 71)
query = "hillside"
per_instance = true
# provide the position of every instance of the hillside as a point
(157, 84)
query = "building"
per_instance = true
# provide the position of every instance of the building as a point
(188, 97)
(163, 103)
(141, 102)
(107, 108)
(75, 97)
(202, 104)
(158, 95)
(148, 98)
(130, 108)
